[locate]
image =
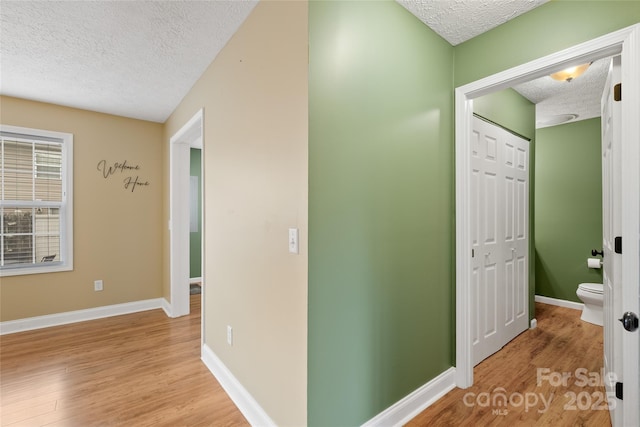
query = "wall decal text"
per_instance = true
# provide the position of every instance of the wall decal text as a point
(130, 182)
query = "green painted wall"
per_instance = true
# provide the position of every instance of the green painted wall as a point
(381, 196)
(509, 109)
(195, 239)
(554, 26)
(513, 111)
(568, 207)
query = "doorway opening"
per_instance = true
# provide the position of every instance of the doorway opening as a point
(623, 42)
(180, 145)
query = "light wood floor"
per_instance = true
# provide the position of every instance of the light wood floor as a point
(144, 369)
(141, 369)
(560, 343)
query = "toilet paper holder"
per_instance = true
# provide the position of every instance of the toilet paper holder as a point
(595, 252)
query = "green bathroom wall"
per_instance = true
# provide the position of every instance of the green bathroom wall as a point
(195, 238)
(568, 207)
(380, 209)
(511, 110)
(554, 26)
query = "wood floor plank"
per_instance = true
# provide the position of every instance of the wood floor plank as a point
(561, 343)
(141, 369)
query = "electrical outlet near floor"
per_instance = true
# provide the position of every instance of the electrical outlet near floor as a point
(229, 335)
(97, 285)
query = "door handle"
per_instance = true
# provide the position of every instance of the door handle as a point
(629, 321)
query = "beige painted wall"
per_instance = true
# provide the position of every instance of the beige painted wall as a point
(116, 231)
(255, 100)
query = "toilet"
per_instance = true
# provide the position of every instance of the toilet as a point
(592, 295)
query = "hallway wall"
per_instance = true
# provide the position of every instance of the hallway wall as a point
(549, 28)
(380, 208)
(255, 100)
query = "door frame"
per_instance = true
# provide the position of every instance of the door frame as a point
(189, 135)
(625, 42)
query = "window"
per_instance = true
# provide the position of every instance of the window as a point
(36, 224)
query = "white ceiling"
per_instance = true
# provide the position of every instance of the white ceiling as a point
(140, 58)
(457, 21)
(562, 102)
(130, 58)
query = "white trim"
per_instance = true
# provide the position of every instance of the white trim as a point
(195, 280)
(559, 302)
(249, 407)
(411, 405)
(166, 307)
(533, 324)
(179, 175)
(620, 41)
(39, 322)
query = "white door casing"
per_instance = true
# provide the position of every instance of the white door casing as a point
(627, 43)
(499, 230)
(628, 353)
(611, 227)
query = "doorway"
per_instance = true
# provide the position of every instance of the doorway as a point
(180, 144)
(624, 42)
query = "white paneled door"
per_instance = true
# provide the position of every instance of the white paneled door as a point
(500, 236)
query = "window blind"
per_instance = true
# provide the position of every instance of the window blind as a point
(31, 200)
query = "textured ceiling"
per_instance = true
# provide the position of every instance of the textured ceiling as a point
(556, 100)
(130, 58)
(460, 20)
(140, 58)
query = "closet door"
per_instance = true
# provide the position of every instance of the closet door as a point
(515, 317)
(500, 203)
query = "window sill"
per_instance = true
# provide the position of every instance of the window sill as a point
(35, 270)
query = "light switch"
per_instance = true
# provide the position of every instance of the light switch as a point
(293, 240)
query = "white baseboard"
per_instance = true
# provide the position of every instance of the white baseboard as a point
(559, 302)
(411, 405)
(249, 407)
(167, 308)
(38, 322)
(195, 280)
(533, 324)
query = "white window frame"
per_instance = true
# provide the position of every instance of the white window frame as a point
(65, 263)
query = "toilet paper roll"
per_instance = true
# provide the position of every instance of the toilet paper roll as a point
(594, 263)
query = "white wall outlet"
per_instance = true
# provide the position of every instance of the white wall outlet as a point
(229, 335)
(97, 285)
(293, 240)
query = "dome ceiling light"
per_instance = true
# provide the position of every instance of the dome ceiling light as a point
(570, 73)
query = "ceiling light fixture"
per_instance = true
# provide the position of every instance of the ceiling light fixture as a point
(570, 73)
(555, 120)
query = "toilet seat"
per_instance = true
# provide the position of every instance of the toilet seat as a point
(593, 288)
